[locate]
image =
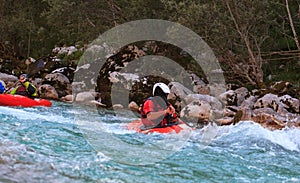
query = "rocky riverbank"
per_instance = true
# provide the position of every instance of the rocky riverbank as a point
(275, 107)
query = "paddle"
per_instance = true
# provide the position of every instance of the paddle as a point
(157, 117)
(148, 127)
(179, 119)
(187, 124)
(14, 85)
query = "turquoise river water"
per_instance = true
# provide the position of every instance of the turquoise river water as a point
(72, 143)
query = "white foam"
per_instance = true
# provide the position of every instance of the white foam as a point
(287, 138)
(32, 115)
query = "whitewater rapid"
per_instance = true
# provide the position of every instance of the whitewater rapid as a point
(50, 145)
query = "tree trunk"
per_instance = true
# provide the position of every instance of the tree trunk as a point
(292, 26)
(255, 64)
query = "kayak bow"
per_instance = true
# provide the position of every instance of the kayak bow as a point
(22, 101)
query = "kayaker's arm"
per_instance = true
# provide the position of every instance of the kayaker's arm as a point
(13, 91)
(154, 115)
(172, 109)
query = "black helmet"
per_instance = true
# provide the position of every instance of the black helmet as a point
(25, 76)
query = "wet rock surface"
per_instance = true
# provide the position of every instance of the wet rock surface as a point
(275, 107)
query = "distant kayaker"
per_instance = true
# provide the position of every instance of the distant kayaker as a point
(156, 111)
(26, 88)
(2, 87)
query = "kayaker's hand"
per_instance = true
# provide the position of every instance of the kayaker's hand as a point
(170, 110)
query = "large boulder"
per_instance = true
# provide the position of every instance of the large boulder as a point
(125, 80)
(47, 91)
(215, 104)
(8, 78)
(178, 91)
(85, 96)
(86, 75)
(199, 85)
(241, 94)
(133, 106)
(121, 85)
(249, 102)
(230, 97)
(111, 71)
(291, 104)
(88, 98)
(66, 71)
(234, 97)
(271, 101)
(60, 82)
(197, 112)
(78, 87)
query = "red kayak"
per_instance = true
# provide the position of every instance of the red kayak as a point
(18, 100)
(137, 124)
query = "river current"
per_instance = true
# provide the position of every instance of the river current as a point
(73, 143)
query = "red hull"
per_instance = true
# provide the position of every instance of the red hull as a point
(18, 100)
(135, 125)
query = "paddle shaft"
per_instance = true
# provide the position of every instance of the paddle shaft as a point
(14, 85)
(153, 126)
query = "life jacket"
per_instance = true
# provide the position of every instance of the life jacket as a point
(168, 119)
(21, 90)
(142, 112)
(26, 89)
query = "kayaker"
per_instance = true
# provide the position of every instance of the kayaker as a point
(2, 87)
(26, 88)
(156, 111)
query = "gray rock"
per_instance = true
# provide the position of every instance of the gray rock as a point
(60, 82)
(125, 80)
(229, 97)
(241, 94)
(85, 96)
(133, 106)
(47, 91)
(249, 102)
(196, 112)
(291, 104)
(8, 78)
(57, 77)
(271, 101)
(67, 98)
(178, 91)
(118, 106)
(212, 101)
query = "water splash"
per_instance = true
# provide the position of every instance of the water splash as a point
(39, 144)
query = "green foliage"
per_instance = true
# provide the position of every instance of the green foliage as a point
(282, 71)
(34, 27)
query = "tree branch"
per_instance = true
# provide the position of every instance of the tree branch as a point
(292, 26)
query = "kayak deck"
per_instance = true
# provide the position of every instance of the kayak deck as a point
(22, 101)
(137, 124)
